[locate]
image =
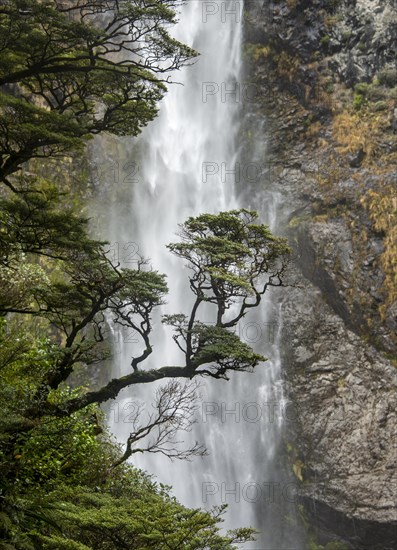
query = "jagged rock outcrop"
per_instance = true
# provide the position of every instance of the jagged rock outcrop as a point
(345, 395)
(328, 75)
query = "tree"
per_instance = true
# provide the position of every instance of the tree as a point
(70, 70)
(66, 485)
(233, 261)
(174, 408)
(72, 488)
(132, 513)
(90, 67)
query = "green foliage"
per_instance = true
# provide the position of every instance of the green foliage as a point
(16, 283)
(379, 106)
(362, 88)
(68, 71)
(59, 485)
(232, 260)
(358, 101)
(216, 344)
(324, 41)
(74, 72)
(375, 91)
(128, 511)
(57, 462)
(23, 122)
(63, 451)
(150, 519)
(229, 253)
(39, 220)
(388, 77)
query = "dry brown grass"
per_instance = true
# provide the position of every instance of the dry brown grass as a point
(382, 208)
(314, 129)
(352, 131)
(287, 66)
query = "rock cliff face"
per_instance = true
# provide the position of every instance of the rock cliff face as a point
(326, 77)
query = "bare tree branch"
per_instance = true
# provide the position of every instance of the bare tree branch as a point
(175, 408)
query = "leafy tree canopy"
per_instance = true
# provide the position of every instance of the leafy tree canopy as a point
(52, 437)
(69, 70)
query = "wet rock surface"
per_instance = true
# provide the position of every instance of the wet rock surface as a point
(344, 426)
(326, 72)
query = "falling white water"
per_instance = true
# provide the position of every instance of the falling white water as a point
(180, 165)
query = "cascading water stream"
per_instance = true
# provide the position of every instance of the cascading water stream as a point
(180, 165)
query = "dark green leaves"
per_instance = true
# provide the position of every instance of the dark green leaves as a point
(141, 517)
(70, 70)
(223, 350)
(229, 253)
(233, 260)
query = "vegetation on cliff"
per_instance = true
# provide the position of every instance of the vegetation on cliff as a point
(330, 71)
(326, 83)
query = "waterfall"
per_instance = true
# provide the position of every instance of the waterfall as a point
(182, 165)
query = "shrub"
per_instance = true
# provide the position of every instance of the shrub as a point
(358, 101)
(388, 77)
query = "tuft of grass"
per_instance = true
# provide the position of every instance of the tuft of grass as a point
(382, 207)
(358, 101)
(388, 77)
(257, 52)
(358, 130)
